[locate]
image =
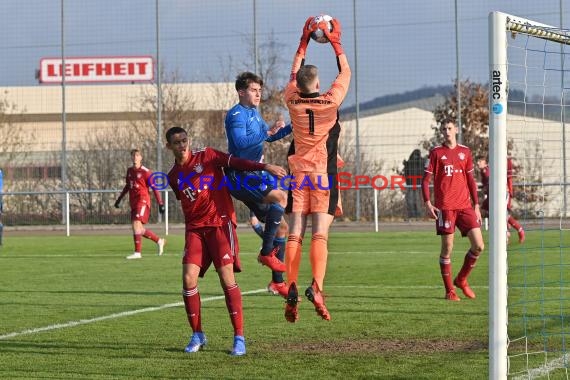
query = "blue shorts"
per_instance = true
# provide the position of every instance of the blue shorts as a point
(251, 187)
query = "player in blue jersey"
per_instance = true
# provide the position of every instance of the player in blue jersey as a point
(246, 132)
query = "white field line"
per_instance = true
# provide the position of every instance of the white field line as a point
(8, 256)
(544, 370)
(111, 316)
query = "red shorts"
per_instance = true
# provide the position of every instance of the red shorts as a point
(464, 219)
(140, 212)
(207, 245)
(315, 192)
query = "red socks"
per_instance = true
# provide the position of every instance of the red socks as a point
(468, 264)
(192, 305)
(150, 235)
(445, 268)
(234, 304)
(138, 242)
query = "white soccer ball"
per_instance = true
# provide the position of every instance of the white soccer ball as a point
(318, 35)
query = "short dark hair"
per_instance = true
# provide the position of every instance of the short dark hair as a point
(446, 120)
(244, 79)
(174, 131)
(305, 76)
(480, 157)
(133, 151)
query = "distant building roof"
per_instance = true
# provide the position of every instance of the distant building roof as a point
(47, 99)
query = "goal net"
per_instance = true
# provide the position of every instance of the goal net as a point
(529, 294)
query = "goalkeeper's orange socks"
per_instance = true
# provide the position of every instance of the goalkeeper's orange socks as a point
(318, 255)
(191, 299)
(445, 268)
(293, 252)
(234, 305)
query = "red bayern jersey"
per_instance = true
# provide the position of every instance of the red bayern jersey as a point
(510, 175)
(137, 185)
(485, 174)
(450, 168)
(202, 188)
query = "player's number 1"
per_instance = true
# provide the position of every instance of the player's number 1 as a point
(311, 121)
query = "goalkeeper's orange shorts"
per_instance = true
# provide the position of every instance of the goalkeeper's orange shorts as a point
(315, 192)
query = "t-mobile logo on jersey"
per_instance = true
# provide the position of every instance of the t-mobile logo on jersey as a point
(190, 193)
(448, 170)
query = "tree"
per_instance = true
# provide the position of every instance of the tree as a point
(475, 134)
(101, 158)
(474, 117)
(270, 68)
(12, 136)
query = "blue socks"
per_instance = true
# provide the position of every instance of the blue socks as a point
(272, 221)
(279, 242)
(258, 228)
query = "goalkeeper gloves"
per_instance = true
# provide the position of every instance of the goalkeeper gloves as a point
(161, 209)
(334, 36)
(117, 203)
(306, 36)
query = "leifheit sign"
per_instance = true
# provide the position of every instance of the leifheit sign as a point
(96, 69)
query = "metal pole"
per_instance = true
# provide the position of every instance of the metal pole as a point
(498, 318)
(67, 232)
(458, 78)
(255, 53)
(563, 120)
(357, 131)
(376, 210)
(158, 100)
(64, 208)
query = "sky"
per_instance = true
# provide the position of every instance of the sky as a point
(393, 46)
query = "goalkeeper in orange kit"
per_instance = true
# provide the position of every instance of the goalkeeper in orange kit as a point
(316, 130)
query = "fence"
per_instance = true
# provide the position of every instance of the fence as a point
(71, 136)
(96, 207)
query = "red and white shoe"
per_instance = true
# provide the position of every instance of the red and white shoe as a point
(465, 288)
(161, 243)
(278, 288)
(272, 261)
(451, 296)
(316, 297)
(291, 313)
(134, 256)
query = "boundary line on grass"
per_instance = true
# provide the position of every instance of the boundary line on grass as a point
(245, 253)
(111, 316)
(545, 369)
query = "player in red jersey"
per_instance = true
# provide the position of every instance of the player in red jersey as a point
(485, 174)
(138, 187)
(316, 130)
(198, 181)
(456, 204)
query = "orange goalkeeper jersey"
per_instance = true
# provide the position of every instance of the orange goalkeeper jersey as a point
(315, 121)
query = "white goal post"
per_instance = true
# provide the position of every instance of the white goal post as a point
(503, 27)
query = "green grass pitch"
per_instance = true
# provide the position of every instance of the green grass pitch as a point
(73, 307)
